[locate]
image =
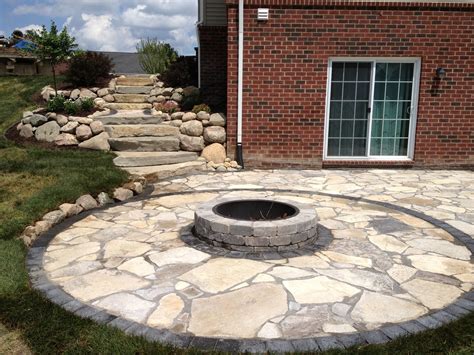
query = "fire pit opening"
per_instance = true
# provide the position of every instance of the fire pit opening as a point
(255, 210)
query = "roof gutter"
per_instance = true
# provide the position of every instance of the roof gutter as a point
(240, 69)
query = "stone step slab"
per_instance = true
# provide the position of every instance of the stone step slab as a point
(127, 106)
(142, 159)
(134, 81)
(128, 117)
(130, 98)
(141, 130)
(133, 89)
(145, 144)
(155, 173)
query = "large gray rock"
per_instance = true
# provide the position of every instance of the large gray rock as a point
(83, 132)
(217, 119)
(37, 120)
(26, 131)
(177, 97)
(122, 194)
(86, 93)
(66, 139)
(47, 132)
(203, 116)
(61, 120)
(189, 116)
(191, 144)
(69, 127)
(191, 128)
(104, 199)
(87, 202)
(177, 115)
(71, 209)
(54, 217)
(27, 114)
(97, 127)
(103, 92)
(214, 152)
(99, 142)
(75, 94)
(215, 134)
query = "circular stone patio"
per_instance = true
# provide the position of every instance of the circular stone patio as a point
(383, 270)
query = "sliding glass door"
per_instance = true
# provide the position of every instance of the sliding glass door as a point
(370, 108)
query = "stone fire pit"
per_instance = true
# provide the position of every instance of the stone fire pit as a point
(256, 225)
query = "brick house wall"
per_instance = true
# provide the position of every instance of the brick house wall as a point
(286, 65)
(213, 53)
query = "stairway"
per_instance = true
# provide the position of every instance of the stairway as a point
(144, 143)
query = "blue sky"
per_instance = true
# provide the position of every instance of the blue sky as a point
(108, 25)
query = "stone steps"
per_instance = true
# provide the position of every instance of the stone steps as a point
(133, 89)
(134, 81)
(155, 173)
(129, 117)
(141, 130)
(131, 98)
(145, 144)
(127, 106)
(142, 159)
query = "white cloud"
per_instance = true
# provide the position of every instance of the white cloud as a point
(32, 27)
(54, 8)
(99, 33)
(140, 17)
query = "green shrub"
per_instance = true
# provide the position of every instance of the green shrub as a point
(181, 73)
(87, 104)
(87, 68)
(56, 103)
(201, 107)
(155, 56)
(72, 107)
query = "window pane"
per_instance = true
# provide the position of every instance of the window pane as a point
(359, 147)
(361, 110)
(360, 128)
(403, 127)
(405, 91)
(392, 91)
(363, 91)
(350, 72)
(337, 71)
(379, 91)
(336, 91)
(389, 128)
(377, 128)
(390, 109)
(347, 128)
(364, 71)
(375, 146)
(349, 91)
(335, 109)
(388, 146)
(404, 109)
(406, 72)
(348, 109)
(380, 71)
(401, 147)
(346, 147)
(333, 147)
(334, 128)
(393, 72)
(378, 109)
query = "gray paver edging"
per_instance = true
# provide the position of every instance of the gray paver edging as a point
(39, 281)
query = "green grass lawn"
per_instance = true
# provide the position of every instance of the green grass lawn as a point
(34, 181)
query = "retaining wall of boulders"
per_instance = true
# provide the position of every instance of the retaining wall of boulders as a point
(135, 186)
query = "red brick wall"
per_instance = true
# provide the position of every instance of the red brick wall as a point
(213, 51)
(286, 61)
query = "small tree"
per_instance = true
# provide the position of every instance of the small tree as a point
(155, 56)
(52, 45)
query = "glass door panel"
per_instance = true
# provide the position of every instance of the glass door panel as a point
(391, 109)
(349, 108)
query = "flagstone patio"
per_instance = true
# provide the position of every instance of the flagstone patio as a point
(398, 260)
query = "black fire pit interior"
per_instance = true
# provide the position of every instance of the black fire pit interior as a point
(255, 210)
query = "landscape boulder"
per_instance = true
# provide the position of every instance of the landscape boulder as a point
(214, 152)
(122, 194)
(71, 209)
(47, 132)
(97, 127)
(83, 132)
(37, 120)
(191, 144)
(214, 134)
(66, 139)
(87, 202)
(99, 142)
(217, 119)
(104, 199)
(54, 217)
(189, 116)
(191, 128)
(26, 131)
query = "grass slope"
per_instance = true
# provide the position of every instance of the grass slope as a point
(34, 181)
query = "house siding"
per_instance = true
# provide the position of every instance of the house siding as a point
(285, 76)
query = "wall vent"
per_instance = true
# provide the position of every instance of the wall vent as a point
(263, 14)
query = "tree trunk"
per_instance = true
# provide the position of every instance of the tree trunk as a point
(54, 79)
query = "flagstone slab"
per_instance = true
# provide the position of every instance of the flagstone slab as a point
(126, 305)
(401, 273)
(347, 259)
(62, 257)
(378, 308)
(388, 243)
(168, 309)
(218, 275)
(442, 247)
(138, 266)
(239, 313)
(374, 281)
(102, 283)
(432, 294)
(440, 264)
(309, 261)
(319, 290)
(181, 255)
(125, 248)
(286, 272)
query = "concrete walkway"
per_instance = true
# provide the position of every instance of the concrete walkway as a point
(384, 266)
